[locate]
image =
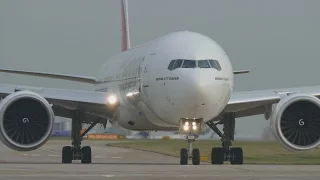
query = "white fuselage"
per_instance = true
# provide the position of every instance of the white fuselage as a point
(152, 97)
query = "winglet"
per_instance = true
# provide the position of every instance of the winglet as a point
(125, 26)
(84, 79)
(241, 72)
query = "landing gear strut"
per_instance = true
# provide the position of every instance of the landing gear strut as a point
(194, 154)
(76, 152)
(226, 152)
(191, 128)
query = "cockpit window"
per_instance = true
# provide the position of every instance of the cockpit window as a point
(171, 65)
(218, 64)
(203, 64)
(177, 64)
(215, 64)
(189, 64)
(184, 63)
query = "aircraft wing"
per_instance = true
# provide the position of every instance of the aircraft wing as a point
(247, 103)
(93, 104)
(64, 101)
(83, 79)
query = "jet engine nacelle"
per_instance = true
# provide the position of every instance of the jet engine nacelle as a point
(26, 121)
(295, 122)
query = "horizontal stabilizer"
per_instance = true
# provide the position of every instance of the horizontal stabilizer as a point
(241, 72)
(84, 79)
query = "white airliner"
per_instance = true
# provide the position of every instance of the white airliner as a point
(180, 81)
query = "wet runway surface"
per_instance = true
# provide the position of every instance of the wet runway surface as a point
(118, 163)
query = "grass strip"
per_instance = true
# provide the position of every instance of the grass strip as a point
(255, 152)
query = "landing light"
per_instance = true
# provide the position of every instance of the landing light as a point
(112, 99)
(191, 125)
(129, 94)
(186, 127)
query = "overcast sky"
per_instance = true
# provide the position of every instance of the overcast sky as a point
(278, 41)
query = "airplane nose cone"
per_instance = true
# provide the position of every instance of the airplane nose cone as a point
(193, 90)
(201, 89)
(200, 92)
(195, 95)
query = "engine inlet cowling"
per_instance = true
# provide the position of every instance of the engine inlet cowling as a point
(26, 121)
(296, 122)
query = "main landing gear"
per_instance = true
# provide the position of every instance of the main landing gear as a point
(76, 152)
(226, 152)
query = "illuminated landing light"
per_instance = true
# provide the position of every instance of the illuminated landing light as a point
(130, 94)
(186, 123)
(112, 99)
(194, 127)
(186, 127)
(193, 123)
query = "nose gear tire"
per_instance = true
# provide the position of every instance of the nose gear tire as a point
(196, 156)
(184, 156)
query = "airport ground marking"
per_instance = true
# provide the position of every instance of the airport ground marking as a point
(51, 151)
(36, 155)
(54, 155)
(108, 175)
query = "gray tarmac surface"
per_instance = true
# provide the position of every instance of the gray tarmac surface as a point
(118, 163)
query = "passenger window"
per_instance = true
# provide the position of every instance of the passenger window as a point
(215, 64)
(171, 65)
(203, 64)
(189, 64)
(177, 64)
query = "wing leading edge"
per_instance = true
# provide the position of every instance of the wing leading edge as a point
(64, 101)
(84, 79)
(247, 103)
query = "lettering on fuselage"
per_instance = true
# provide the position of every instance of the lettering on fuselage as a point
(221, 79)
(167, 78)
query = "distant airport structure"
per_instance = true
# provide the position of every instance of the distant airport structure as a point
(62, 128)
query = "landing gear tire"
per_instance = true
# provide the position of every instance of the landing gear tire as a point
(196, 156)
(86, 155)
(184, 156)
(217, 155)
(236, 155)
(67, 154)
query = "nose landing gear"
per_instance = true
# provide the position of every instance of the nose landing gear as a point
(194, 154)
(191, 128)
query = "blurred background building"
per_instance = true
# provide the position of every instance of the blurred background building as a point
(62, 128)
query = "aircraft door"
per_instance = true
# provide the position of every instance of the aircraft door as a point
(144, 77)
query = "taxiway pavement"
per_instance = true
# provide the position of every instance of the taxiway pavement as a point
(119, 163)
